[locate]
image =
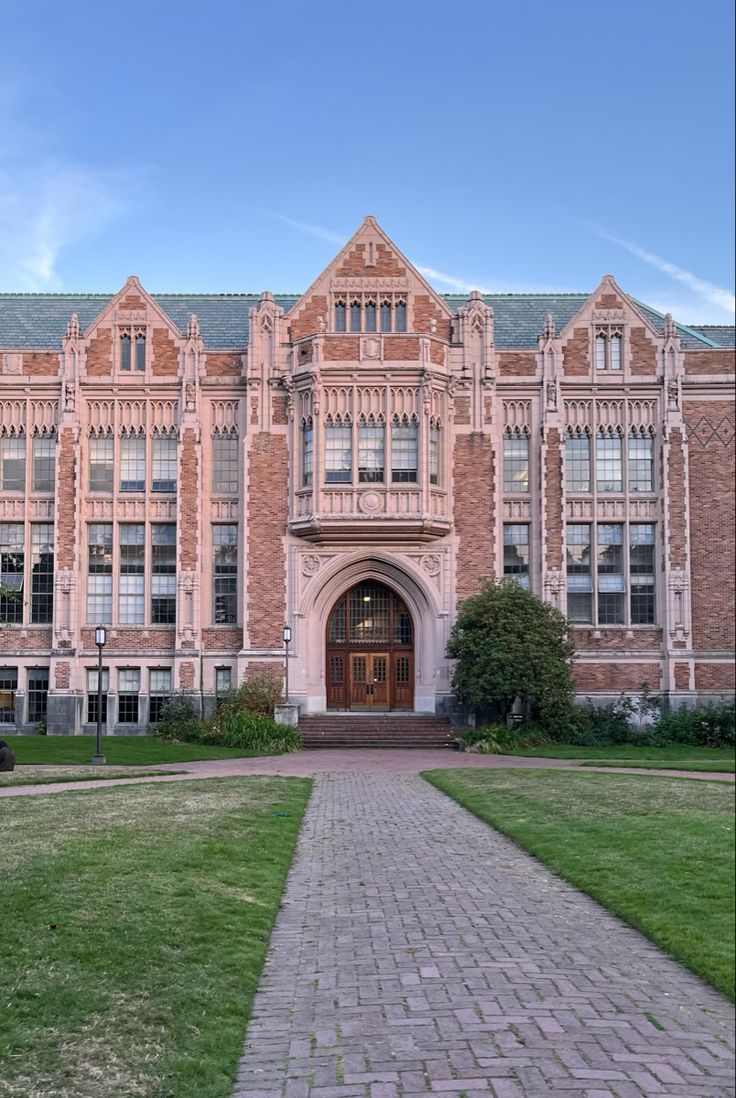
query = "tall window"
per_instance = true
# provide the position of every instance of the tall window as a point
(516, 553)
(223, 680)
(621, 561)
(355, 314)
(159, 693)
(338, 453)
(434, 454)
(516, 463)
(131, 597)
(44, 464)
(42, 573)
(164, 471)
(579, 577)
(132, 349)
(608, 349)
(371, 452)
(99, 573)
(404, 452)
(340, 314)
(101, 463)
(8, 687)
(129, 688)
(610, 573)
(92, 695)
(386, 314)
(224, 464)
(225, 574)
(12, 567)
(400, 315)
(641, 463)
(370, 315)
(163, 573)
(577, 464)
(641, 566)
(132, 463)
(38, 692)
(609, 463)
(12, 463)
(307, 453)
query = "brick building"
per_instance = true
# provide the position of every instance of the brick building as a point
(193, 471)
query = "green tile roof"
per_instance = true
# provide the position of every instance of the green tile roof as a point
(38, 321)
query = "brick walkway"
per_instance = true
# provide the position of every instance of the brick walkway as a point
(419, 952)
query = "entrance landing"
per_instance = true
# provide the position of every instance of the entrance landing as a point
(409, 730)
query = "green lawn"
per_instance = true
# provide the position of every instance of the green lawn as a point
(716, 759)
(135, 922)
(118, 750)
(659, 852)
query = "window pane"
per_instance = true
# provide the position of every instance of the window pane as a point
(225, 464)
(307, 455)
(101, 453)
(371, 453)
(434, 455)
(578, 550)
(385, 315)
(42, 573)
(340, 316)
(404, 453)
(225, 573)
(223, 679)
(140, 352)
(580, 608)
(400, 316)
(577, 464)
(125, 351)
(12, 571)
(516, 464)
(38, 692)
(641, 464)
(600, 352)
(132, 463)
(370, 316)
(615, 347)
(12, 464)
(355, 311)
(163, 474)
(8, 687)
(44, 464)
(609, 469)
(338, 454)
(132, 548)
(610, 549)
(516, 552)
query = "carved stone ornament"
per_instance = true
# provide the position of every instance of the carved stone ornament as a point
(678, 581)
(608, 316)
(370, 348)
(65, 580)
(376, 284)
(370, 503)
(13, 364)
(673, 396)
(188, 582)
(311, 564)
(551, 396)
(69, 396)
(553, 581)
(189, 397)
(432, 564)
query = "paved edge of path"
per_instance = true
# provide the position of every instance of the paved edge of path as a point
(307, 764)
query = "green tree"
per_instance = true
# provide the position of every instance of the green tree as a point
(509, 644)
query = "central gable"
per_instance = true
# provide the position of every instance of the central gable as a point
(369, 287)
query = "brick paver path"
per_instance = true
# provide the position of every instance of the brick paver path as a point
(420, 952)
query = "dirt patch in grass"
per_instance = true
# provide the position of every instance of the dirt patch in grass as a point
(45, 775)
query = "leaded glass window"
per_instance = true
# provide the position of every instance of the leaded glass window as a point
(516, 463)
(42, 573)
(516, 553)
(12, 463)
(338, 453)
(609, 463)
(44, 464)
(404, 453)
(101, 463)
(641, 463)
(577, 464)
(371, 453)
(164, 463)
(225, 573)
(132, 463)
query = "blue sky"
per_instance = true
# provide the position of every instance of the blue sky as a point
(232, 146)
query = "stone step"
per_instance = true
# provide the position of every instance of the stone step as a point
(375, 730)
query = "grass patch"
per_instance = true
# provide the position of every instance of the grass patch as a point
(118, 750)
(721, 760)
(658, 852)
(135, 924)
(45, 775)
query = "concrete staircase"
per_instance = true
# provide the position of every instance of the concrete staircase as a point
(375, 730)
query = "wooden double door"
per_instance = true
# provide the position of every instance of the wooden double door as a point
(370, 681)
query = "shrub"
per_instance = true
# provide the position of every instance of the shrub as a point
(258, 695)
(178, 721)
(509, 644)
(233, 723)
(704, 726)
(496, 739)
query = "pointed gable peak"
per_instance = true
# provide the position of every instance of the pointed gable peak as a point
(609, 304)
(132, 304)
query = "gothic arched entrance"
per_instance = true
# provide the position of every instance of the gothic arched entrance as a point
(370, 651)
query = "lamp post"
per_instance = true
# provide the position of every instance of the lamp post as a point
(100, 640)
(287, 641)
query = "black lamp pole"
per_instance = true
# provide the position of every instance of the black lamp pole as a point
(287, 641)
(100, 640)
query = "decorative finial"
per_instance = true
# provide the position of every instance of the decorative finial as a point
(193, 327)
(72, 328)
(550, 328)
(669, 327)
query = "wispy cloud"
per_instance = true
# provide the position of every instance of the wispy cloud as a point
(314, 230)
(707, 291)
(46, 208)
(460, 285)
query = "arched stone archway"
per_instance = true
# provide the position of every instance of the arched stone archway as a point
(329, 586)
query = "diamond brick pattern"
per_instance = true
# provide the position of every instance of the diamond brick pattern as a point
(419, 952)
